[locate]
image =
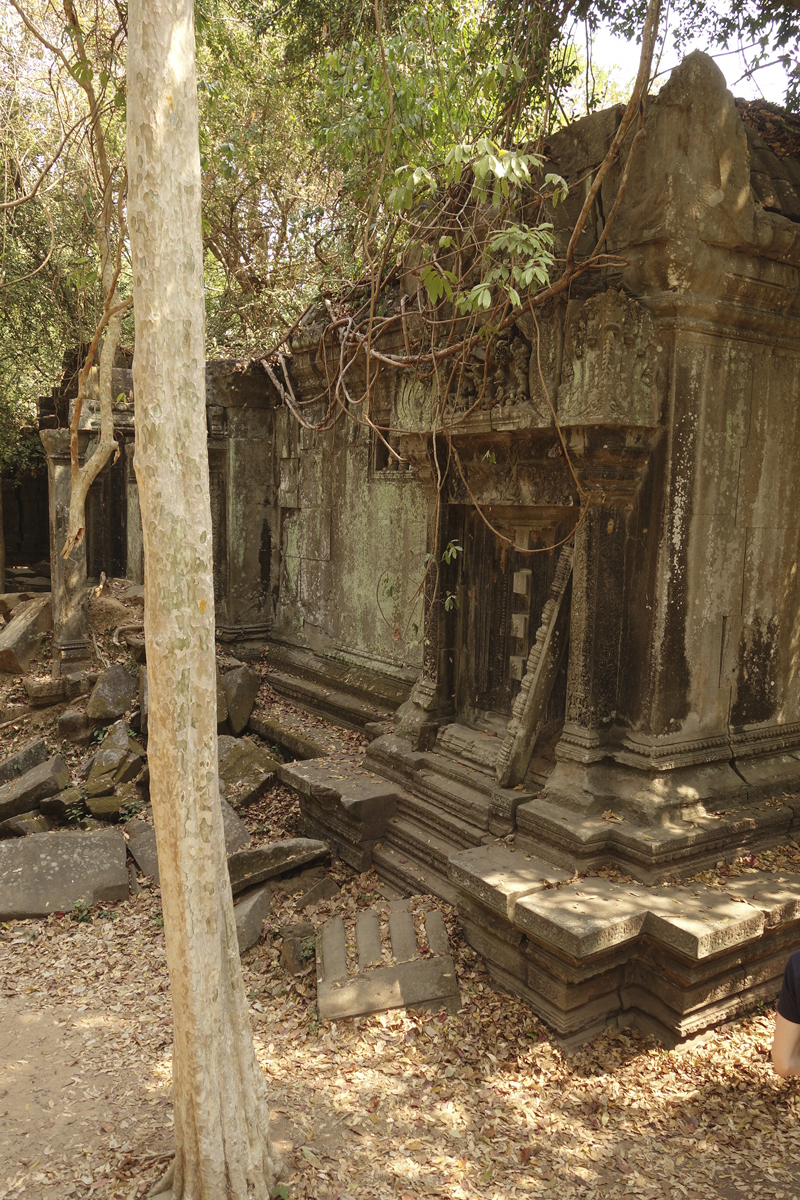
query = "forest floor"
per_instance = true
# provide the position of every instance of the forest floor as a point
(482, 1103)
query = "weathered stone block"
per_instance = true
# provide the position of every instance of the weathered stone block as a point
(25, 823)
(241, 688)
(32, 754)
(245, 770)
(75, 726)
(236, 833)
(64, 805)
(249, 867)
(113, 694)
(49, 872)
(27, 792)
(42, 692)
(22, 637)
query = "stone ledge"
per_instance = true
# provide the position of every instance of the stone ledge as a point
(670, 960)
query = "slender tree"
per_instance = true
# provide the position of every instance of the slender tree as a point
(222, 1149)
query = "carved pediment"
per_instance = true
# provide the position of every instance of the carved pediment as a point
(610, 374)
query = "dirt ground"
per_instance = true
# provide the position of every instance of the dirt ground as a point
(479, 1104)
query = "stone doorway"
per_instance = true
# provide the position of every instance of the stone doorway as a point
(501, 593)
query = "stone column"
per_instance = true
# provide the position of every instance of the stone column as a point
(71, 645)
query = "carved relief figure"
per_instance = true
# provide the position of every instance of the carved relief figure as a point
(610, 367)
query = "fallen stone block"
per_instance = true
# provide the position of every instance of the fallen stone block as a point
(75, 726)
(324, 889)
(80, 683)
(27, 792)
(104, 808)
(111, 768)
(135, 643)
(412, 981)
(241, 688)
(299, 947)
(64, 806)
(251, 911)
(21, 638)
(249, 867)
(141, 838)
(32, 754)
(49, 872)
(25, 823)
(245, 770)
(113, 694)
(43, 692)
(10, 601)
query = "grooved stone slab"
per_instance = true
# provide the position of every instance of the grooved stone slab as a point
(21, 795)
(31, 755)
(418, 982)
(49, 872)
(249, 867)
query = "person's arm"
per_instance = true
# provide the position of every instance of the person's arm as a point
(786, 1047)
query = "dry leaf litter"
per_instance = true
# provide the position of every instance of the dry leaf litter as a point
(480, 1104)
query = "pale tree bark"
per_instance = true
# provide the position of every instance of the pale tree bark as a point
(223, 1150)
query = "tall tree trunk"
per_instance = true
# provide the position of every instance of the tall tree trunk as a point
(223, 1150)
(2, 542)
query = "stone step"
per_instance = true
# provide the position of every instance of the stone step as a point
(338, 706)
(409, 876)
(653, 853)
(425, 846)
(468, 745)
(410, 974)
(440, 823)
(450, 785)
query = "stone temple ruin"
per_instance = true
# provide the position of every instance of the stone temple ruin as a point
(630, 695)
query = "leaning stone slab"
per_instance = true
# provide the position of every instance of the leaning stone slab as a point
(251, 912)
(25, 793)
(49, 872)
(241, 688)
(113, 694)
(31, 755)
(22, 637)
(249, 867)
(142, 845)
(25, 823)
(245, 770)
(237, 835)
(10, 600)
